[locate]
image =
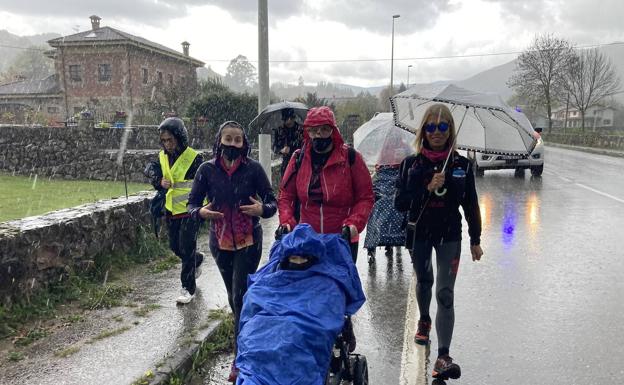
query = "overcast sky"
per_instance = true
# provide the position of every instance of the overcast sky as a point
(343, 31)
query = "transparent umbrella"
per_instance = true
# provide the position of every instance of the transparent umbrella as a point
(485, 123)
(381, 142)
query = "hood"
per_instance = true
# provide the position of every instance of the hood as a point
(318, 116)
(303, 241)
(176, 127)
(216, 148)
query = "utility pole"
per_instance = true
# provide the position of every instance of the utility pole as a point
(392, 57)
(264, 139)
(408, 69)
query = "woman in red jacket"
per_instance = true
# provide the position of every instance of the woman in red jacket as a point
(328, 179)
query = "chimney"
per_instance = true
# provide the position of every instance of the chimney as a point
(95, 22)
(185, 47)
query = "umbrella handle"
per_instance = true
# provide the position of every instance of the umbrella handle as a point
(455, 139)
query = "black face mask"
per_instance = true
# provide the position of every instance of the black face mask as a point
(321, 144)
(231, 152)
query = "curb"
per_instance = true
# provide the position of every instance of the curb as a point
(599, 151)
(181, 362)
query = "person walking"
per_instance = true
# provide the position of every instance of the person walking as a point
(287, 138)
(240, 194)
(329, 180)
(432, 199)
(174, 172)
(386, 225)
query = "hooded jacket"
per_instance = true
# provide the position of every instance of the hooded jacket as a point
(347, 188)
(153, 170)
(227, 191)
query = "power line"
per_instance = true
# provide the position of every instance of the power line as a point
(370, 60)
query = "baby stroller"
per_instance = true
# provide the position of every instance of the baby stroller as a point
(292, 325)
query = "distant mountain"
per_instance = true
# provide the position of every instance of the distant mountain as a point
(9, 42)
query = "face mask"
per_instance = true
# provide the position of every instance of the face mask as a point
(321, 144)
(231, 152)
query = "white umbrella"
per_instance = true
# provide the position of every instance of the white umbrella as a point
(484, 122)
(381, 142)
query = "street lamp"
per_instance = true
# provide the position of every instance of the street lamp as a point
(392, 57)
(408, 68)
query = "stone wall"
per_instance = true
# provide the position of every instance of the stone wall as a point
(36, 250)
(590, 139)
(73, 153)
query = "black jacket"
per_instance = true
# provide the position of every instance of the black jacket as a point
(440, 220)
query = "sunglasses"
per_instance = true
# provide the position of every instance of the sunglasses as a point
(431, 127)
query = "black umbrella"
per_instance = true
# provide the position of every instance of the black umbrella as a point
(271, 116)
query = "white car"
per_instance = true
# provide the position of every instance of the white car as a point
(534, 161)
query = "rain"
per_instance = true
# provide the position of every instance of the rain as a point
(91, 279)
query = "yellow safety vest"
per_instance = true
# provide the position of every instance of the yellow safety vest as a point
(178, 193)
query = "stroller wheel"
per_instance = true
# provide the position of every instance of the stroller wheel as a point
(360, 371)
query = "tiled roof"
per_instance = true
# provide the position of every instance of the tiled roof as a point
(46, 86)
(108, 34)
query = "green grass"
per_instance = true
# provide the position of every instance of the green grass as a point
(84, 288)
(109, 333)
(23, 196)
(67, 351)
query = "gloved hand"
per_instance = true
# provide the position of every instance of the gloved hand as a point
(346, 233)
(281, 231)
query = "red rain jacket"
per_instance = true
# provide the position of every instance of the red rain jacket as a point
(347, 189)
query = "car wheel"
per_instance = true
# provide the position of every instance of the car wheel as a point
(479, 171)
(519, 173)
(537, 170)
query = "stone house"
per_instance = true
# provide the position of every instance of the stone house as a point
(104, 70)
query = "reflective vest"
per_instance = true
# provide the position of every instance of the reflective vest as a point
(178, 193)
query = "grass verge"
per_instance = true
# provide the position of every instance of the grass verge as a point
(92, 289)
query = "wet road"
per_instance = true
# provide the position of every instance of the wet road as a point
(544, 306)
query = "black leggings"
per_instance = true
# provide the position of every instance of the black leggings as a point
(447, 263)
(234, 267)
(183, 242)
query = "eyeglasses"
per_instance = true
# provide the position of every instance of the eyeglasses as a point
(325, 130)
(431, 127)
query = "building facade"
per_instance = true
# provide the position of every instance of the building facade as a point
(105, 70)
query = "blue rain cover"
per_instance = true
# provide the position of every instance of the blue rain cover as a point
(290, 319)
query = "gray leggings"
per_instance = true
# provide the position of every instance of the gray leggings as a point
(447, 262)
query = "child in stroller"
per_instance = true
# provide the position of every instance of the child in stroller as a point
(294, 312)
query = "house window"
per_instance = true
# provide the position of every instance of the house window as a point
(170, 79)
(75, 72)
(77, 110)
(145, 75)
(104, 72)
(53, 110)
(606, 122)
(159, 76)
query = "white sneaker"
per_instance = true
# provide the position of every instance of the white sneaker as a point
(198, 271)
(185, 296)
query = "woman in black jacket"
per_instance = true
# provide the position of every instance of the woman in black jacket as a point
(239, 193)
(432, 199)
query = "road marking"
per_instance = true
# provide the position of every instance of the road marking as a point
(600, 192)
(414, 357)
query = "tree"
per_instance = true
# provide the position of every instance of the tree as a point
(312, 100)
(217, 103)
(384, 100)
(538, 77)
(29, 64)
(241, 74)
(589, 79)
(171, 98)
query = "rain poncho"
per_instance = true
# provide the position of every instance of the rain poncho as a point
(290, 319)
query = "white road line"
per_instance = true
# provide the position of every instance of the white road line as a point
(600, 192)
(413, 356)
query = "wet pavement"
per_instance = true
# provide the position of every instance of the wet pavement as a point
(542, 307)
(143, 342)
